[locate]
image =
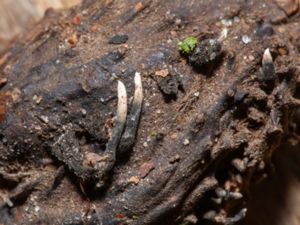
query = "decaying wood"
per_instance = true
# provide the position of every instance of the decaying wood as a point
(19, 15)
(197, 151)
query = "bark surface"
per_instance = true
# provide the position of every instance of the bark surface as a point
(205, 134)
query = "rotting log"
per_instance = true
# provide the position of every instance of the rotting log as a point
(197, 151)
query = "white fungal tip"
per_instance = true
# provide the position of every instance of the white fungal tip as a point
(122, 102)
(137, 78)
(267, 57)
(138, 93)
(223, 35)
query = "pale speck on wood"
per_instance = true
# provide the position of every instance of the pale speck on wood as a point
(246, 39)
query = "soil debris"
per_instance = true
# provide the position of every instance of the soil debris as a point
(76, 20)
(162, 73)
(264, 29)
(168, 82)
(206, 52)
(134, 180)
(246, 39)
(145, 169)
(3, 81)
(73, 41)
(174, 159)
(290, 7)
(118, 39)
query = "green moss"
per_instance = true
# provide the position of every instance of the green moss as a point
(187, 45)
